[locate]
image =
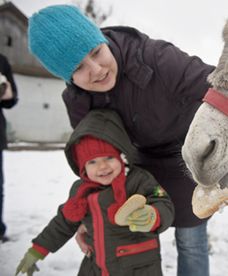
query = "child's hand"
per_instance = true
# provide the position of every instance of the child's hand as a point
(142, 219)
(28, 264)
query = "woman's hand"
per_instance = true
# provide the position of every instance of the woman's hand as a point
(80, 239)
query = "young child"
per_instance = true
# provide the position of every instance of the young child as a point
(100, 151)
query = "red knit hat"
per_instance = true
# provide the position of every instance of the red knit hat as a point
(89, 148)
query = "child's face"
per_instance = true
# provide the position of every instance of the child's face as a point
(103, 170)
(97, 71)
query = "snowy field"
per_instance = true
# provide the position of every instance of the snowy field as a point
(36, 183)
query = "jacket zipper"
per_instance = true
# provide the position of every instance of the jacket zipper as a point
(136, 248)
(98, 228)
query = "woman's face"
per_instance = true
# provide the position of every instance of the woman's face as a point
(98, 70)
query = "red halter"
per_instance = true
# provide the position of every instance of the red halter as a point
(217, 100)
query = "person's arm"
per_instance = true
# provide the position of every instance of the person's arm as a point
(60, 229)
(7, 72)
(158, 213)
(77, 104)
(56, 233)
(53, 236)
(180, 74)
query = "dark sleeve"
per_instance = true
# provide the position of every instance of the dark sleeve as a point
(59, 230)
(178, 72)
(156, 196)
(77, 104)
(56, 233)
(7, 71)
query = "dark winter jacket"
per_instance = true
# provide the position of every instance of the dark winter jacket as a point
(158, 90)
(5, 69)
(117, 251)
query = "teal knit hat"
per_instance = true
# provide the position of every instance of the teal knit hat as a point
(60, 36)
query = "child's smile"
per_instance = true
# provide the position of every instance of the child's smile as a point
(103, 170)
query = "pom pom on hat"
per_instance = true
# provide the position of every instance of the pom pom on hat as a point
(60, 36)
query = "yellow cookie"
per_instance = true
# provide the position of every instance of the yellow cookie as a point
(133, 203)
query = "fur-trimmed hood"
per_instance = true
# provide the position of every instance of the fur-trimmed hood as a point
(106, 125)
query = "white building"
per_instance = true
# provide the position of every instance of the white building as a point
(40, 115)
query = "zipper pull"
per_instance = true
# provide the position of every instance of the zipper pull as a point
(107, 98)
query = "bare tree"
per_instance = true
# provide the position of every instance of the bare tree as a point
(93, 10)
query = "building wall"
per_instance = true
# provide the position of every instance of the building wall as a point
(40, 115)
(13, 37)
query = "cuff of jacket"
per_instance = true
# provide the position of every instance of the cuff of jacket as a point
(39, 251)
(157, 220)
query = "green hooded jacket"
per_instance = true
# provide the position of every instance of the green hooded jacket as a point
(116, 250)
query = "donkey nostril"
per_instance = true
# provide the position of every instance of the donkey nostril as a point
(209, 149)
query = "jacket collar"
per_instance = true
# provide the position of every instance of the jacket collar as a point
(132, 67)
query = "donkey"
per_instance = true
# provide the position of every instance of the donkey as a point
(205, 150)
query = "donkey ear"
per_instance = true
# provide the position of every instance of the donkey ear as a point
(225, 32)
(219, 77)
(225, 51)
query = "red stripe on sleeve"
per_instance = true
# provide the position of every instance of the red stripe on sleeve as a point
(43, 251)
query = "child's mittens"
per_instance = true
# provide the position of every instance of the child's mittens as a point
(132, 204)
(142, 219)
(28, 263)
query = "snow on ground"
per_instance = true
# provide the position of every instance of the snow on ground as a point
(36, 183)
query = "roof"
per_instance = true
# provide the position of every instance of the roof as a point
(10, 7)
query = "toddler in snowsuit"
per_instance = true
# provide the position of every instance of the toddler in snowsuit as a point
(100, 151)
